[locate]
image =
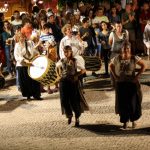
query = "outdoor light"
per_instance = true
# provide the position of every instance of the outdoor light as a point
(4, 9)
(6, 4)
(40, 1)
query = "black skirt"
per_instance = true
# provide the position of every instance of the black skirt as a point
(128, 101)
(72, 99)
(28, 86)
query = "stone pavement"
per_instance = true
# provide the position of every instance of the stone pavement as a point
(39, 125)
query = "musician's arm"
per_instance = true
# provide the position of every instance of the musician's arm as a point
(61, 47)
(18, 54)
(38, 44)
(59, 70)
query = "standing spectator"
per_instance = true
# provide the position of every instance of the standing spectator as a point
(119, 8)
(56, 31)
(100, 16)
(116, 39)
(144, 16)
(104, 39)
(146, 36)
(87, 34)
(6, 38)
(97, 34)
(17, 21)
(82, 8)
(90, 16)
(2, 55)
(128, 22)
(77, 18)
(128, 92)
(1, 22)
(113, 16)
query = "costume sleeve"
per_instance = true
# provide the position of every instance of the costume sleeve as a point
(114, 60)
(59, 64)
(137, 58)
(61, 47)
(18, 54)
(145, 37)
(80, 62)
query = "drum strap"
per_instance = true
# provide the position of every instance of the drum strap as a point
(28, 54)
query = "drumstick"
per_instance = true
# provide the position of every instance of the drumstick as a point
(38, 66)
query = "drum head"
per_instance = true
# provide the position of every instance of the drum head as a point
(39, 67)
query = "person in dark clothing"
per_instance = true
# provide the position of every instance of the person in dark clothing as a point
(128, 91)
(2, 57)
(87, 34)
(104, 38)
(7, 36)
(1, 22)
(56, 30)
(70, 94)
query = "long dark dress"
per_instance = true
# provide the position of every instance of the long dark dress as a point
(72, 99)
(128, 93)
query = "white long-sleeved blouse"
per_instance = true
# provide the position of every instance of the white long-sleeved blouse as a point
(20, 53)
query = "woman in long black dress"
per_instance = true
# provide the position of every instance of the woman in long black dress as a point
(71, 97)
(128, 92)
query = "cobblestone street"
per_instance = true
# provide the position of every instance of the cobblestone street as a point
(39, 125)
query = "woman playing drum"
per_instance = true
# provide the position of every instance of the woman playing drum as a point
(24, 53)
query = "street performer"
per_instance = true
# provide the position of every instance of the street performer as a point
(128, 90)
(24, 52)
(72, 99)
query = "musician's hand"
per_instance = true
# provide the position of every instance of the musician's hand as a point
(28, 63)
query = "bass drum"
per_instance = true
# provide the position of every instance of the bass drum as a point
(92, 63)
(43, 70)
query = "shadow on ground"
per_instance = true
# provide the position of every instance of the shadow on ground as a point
(11, 105)
(98, 85)
(110, 130)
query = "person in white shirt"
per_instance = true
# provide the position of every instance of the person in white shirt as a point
(100, 16)
(17, 22)
(77, 44)
(24, 52)
(146, 36)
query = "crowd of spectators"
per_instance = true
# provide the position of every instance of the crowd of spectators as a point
(86, 19)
